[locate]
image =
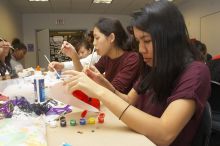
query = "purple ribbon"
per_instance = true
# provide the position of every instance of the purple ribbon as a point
(7, 109)
(58, 111)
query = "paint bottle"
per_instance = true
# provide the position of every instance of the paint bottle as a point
(89, 100)
(38, 71)
(39, 88)
(1, 78)
(7, 75)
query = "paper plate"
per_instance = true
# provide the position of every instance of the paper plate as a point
(59, 92)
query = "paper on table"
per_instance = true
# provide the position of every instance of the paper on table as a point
(23, 132)
(59, 92)
(18, 88)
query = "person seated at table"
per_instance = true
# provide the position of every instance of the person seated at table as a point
(84, 60)
(167, 102)
(5, 57)
(68, 65)
(205, 56)
(84, 49)
(120, 65)
(17, 54)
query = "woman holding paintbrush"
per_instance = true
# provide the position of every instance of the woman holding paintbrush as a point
(118, 62)
(5, 57)
(167, 102)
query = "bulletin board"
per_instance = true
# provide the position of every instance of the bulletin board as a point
(210, 32)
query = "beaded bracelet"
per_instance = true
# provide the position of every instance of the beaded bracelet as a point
(124, 112)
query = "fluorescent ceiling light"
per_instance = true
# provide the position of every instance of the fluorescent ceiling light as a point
(38, 0)
(102, 1)
(167, 0)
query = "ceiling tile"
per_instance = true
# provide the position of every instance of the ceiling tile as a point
(82, 6)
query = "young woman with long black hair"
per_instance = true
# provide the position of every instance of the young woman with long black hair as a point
(167, 102)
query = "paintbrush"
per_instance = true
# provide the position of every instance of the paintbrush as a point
(52, 67)
(61, 49)
(92, 56)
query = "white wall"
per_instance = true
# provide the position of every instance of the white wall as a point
(193, 10)
(10, 21)
(33, 22)
(210, 32)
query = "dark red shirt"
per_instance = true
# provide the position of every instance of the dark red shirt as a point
(194, 83)
(122, 72)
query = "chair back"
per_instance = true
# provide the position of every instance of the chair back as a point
(204, 130)
(214, 99)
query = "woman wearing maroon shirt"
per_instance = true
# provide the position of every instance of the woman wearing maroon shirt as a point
(167, 101)
(119, 63)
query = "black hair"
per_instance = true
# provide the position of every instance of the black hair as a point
(90, 37)
(171, 47)
(108, 26)
(86, 44)
(18, 45)
(201, 47)
(131, 40)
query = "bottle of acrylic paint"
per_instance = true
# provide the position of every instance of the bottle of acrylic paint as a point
(7, 75)
(38, 71)
(39, 88)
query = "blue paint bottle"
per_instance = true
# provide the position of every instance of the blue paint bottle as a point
(39, 88)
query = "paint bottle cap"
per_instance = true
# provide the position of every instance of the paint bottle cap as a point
(73, 122)
(82, 121)
(53, 124)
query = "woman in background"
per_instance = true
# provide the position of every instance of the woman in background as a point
(84, 48)
(119, 63)
(5, 57)
(205, 56)
(18, 53)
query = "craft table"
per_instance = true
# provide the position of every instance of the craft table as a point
(112, 132)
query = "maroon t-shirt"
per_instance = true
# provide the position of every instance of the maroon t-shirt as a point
(122, 72)
(193, 83)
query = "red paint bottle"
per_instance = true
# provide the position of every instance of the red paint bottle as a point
(89, 100)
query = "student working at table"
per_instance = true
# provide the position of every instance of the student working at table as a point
(119, 63)
(167, 102)
(5, 57)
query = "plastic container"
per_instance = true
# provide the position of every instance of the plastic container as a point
(39, 88)
(7, 75)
